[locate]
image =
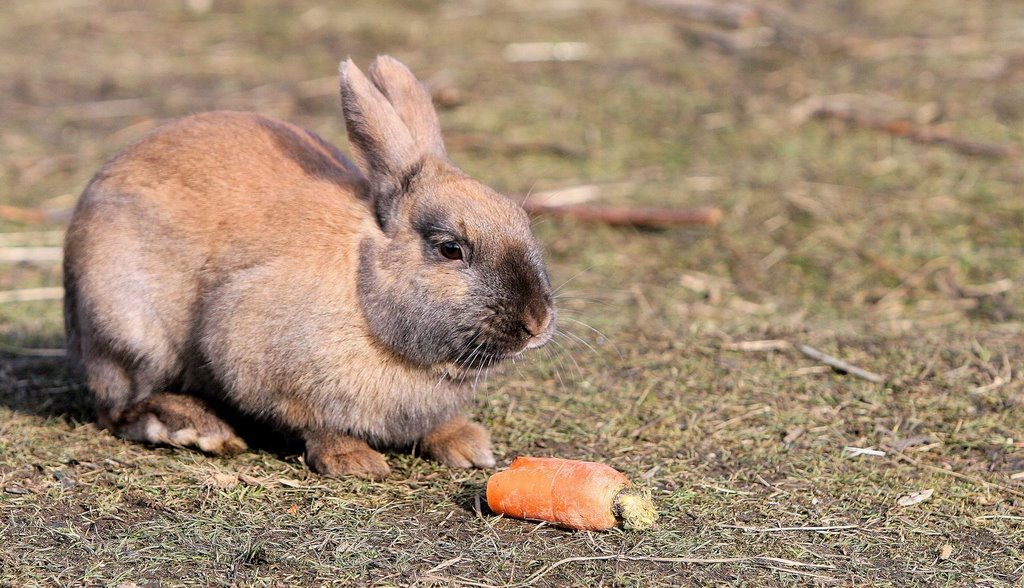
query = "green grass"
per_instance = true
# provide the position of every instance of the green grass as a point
(868, 247)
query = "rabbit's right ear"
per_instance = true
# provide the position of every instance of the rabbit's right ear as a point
(411, 100)
(382, 145)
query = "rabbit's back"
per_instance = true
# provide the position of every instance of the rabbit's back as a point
(227, 181)
(175, 216)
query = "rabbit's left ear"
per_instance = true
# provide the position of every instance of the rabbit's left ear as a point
(411, 101)
(391, 127)
(382, 145)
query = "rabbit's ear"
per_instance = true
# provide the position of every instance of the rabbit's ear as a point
(411, 100)
(381, 143)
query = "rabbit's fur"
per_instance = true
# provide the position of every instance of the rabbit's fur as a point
(228, 258)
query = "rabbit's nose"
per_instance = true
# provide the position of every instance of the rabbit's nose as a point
(537, 322)
(540, 324)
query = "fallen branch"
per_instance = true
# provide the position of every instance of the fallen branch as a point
(824, 109)
(34, 215)
(648, 218)
(874, 48)
(485, 144)
(840, 365)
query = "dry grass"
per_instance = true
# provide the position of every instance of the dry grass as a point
(900, 258)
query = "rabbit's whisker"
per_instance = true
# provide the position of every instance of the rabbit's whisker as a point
(472, 357)
(576, 275)
(528, 194)
(458, 358)
(579, 370)
(598, 333)
(574, 337)
(561, 368)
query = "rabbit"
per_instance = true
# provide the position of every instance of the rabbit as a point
(231, 260)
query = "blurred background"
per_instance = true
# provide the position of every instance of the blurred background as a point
(781, 113)
(866, 155)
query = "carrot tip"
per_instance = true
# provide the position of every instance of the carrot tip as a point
(635, 509)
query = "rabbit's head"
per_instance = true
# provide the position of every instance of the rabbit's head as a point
(450, 273)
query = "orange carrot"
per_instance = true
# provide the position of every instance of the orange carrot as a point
(574, 494)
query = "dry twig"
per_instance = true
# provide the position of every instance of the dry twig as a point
(874, 48)
(631, 217)
(823, 107)
(485, 144)
(34, 215)
(840, 365)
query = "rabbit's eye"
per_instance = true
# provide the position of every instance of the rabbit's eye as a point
(451, 250)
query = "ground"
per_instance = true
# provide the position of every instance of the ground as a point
(902, 258)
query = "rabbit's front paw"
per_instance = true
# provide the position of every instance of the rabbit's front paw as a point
(340, 455)
(460, 443)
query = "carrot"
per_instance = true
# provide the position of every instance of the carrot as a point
(574, 494)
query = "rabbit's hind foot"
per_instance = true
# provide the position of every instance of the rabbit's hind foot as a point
(181, 421)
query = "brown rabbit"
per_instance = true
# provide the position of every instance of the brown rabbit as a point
(228, 258)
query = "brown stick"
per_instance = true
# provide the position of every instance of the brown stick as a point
(873, 48)
(22, 215)
(484, 144)
(917, 134)
(33, 215)
(631, 217)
